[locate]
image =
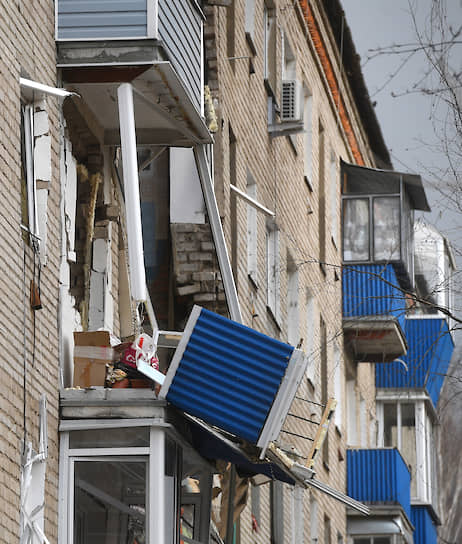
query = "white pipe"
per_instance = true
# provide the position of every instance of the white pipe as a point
(254, 203)
(45, 88)
(132, 192)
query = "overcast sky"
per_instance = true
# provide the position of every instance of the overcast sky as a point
(406, 120)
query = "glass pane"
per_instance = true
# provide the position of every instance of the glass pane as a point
(387, 245)
(382, 540)
(187, 520)
(356, 229)
(127, 437)
(110, 501)
(362, 541)
(390, 426)
(408, 442)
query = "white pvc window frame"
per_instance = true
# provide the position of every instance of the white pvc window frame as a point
(27, 116)
(424, 469)
(154, 455)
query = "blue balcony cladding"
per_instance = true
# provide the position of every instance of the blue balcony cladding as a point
(368, 290)
(379, 476)
(424, 528)
(229, 375)
(430, 348)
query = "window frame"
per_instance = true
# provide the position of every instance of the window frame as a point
(424, 469)
(158, 435)
(273, 273)
(404, 240)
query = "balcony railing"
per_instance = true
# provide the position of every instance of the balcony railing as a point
(379, 476)
(373, 312)
(427, 360)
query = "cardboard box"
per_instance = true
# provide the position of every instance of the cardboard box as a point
(92, 351)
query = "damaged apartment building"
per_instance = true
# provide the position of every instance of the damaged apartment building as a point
(195, 191)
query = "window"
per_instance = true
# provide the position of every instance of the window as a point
(230, 33)
(132, 484)
(333, 204)
(310, 349)
(352, 439)
(233, 204)
(362, 421)
(373, 540)
(322, 197)
(269, 51)
(407, 426)
(250, 24)
(293, 317)
(307, 136)
(252, 230)
(324, 385)
(338, 389)
(30, 217)
(297, 515)
(371, 229)
(36, 169)
(314, 527)
(273, 272)
(277, 512)
(327, 530)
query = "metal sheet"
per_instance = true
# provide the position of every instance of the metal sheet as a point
(226, 374)
(428, 357)
(98, 19)
(368, 290)
(180, 29)
(379, 476)
(425, 529)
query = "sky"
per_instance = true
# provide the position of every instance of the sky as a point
(407, 118)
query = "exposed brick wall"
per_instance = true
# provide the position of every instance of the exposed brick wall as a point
(195, 267)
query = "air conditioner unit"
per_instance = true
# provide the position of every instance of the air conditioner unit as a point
(291, 103)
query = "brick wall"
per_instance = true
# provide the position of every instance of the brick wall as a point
(277, 166)
(26, 48)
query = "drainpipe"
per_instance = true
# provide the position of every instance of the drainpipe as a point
(131, 191)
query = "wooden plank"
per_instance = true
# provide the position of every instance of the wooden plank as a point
(321, 432)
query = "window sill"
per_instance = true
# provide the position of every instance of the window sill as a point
(275, 319)
(308, 183)
(270, 92)
(253, 281)
(250, 43)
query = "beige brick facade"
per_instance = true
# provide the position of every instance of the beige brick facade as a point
(276, 164)
(307, 304)
(30, 364)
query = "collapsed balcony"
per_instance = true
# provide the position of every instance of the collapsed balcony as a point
(155, 45)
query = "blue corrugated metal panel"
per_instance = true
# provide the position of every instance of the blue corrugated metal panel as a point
(424, 528)
(368, 290)
(379, 475)
(428, 357)
(180, 29)
(99, 19)
(229, 375)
